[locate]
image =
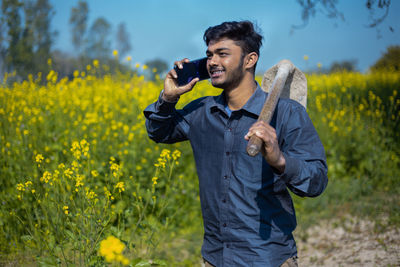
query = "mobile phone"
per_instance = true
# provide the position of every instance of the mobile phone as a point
(193, 69)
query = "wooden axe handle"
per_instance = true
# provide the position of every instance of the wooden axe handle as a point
(284, 69)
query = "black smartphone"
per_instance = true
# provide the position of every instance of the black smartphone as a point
(193, 69)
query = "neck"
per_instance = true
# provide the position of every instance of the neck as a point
(237, 97)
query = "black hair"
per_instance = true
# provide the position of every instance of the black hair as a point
(242, 32)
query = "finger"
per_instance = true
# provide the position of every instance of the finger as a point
(262, 132)
(259, 133)
(256, 126)
(179, 63)
(253, 131)
(263, 126)
(189, 86)
(259, 124)
(192, 83)
(174, 74)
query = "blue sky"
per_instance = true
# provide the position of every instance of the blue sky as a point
(173, 29)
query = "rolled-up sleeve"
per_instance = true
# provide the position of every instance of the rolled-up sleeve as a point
(306, 169)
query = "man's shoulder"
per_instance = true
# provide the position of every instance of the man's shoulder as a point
(290, 104)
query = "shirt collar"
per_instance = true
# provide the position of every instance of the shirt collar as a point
(253, 105)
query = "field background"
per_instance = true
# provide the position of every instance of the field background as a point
(77, 167)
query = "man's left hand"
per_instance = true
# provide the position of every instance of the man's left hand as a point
(270, 149)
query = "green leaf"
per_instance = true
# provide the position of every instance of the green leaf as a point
(159, 262)
(26, 238)
(143, 264)
(136, 261)
(69, 234)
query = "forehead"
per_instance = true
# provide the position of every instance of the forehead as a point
(223, 43)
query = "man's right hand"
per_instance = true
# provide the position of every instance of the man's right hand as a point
(172, 91)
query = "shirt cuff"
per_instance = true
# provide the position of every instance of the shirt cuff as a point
(292, 168)
(165, 106)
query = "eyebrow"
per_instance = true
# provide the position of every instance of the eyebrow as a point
(217, 50)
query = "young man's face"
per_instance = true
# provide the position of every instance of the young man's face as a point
(225, 63)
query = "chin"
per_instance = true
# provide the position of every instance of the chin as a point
(218, 84)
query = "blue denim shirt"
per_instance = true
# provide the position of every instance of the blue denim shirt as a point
(247, 210)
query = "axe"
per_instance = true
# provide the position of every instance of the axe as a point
(282, 80)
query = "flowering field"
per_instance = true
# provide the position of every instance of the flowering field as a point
(81, 184)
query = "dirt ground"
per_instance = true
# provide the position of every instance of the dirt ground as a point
(349, 242)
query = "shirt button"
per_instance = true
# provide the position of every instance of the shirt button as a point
(224, 200)
(224, 225)
(226, 176)
(227, 153)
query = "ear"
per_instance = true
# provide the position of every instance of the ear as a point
(251, 60)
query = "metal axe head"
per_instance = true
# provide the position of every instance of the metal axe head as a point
(295, 87)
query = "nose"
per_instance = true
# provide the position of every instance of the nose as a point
(212, 61)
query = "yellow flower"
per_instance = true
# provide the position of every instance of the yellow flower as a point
(65, 208)
(76, 150)
(114, 167)
(107, 193)
(84, 147)
(68, 173)
(115, 53)
(176, 154)
(120, 186)
(165, 153)
(50, 75)
(161, 163)
(20, 187)
(90, 194)
(128, 58)
(164, 157)
(154, 179)
(79, 179)
(94, 173)
(111, 248)
(305, 57)
(39, 158)
(46, 177)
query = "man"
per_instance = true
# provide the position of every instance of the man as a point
(247, 211)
